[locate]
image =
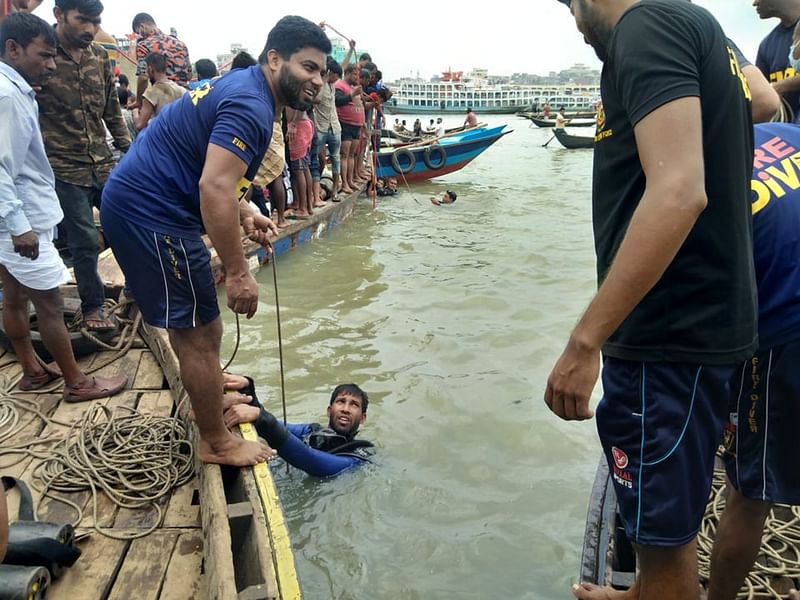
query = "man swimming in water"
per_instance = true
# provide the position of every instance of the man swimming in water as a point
(319, 451)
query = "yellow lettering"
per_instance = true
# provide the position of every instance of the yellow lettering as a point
(787, 176)
(242, 187)
(603, 135)
(774, 187)
(735, 70)
(762, 196)
(199, 93)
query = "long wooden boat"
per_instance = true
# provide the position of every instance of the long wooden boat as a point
(551, 123)
(221, 536)
(440, 157)
(588, 114)
(573, 142)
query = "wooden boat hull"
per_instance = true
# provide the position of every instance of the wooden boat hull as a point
(551, 123)
(573, 142)
(460, 151)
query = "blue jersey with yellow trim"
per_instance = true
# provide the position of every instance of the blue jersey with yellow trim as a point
(773, 59)
(776, 232)
(156, 185)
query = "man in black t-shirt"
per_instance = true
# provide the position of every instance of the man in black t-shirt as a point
(773, 52)
(675, 313)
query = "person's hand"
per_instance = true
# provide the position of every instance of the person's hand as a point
(353, 45)
(26, 245)
(571, 382)
(242, 292)
(232, 398)
(356, 91)
(231, 381)
(322, 24)
(258, 228)
(240, 413)
(434, 201)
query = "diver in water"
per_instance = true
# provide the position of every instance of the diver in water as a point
(319, 451)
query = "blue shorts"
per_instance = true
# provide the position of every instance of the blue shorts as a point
(170, 277)
(660, 425)
(762, 454)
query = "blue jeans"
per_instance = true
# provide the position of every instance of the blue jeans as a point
(78, 224)
(334, 143)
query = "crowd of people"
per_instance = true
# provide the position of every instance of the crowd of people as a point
(697, 315)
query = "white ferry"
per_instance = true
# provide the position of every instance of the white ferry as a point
(454, 94)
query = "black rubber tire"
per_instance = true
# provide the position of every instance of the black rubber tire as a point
(81, 345)
(399, 154)
(433, 151)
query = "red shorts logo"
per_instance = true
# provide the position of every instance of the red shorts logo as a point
(620, 458)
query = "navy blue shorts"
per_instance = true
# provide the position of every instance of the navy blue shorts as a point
(660, 425)
(762, 454)
(170, 277)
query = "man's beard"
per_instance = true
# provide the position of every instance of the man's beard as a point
(291, 90)
(348, 433)
(597, 33)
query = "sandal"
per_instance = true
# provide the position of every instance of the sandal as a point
(102, 323)
(30, 383)
(100, 388)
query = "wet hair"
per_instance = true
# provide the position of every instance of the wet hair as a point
(90, 8)
(334, 67)
(242, 61)
(23, 28)
(206, 69)
(365, 56)
(123, 79)
(157, 61)
(353, 390)
(469, 109)
(452, 195)
(293, 33)
(141, 19)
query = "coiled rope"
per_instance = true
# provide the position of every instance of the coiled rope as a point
(779, 557)
(135, 459)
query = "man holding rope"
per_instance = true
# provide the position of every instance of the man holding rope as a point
(204, 151)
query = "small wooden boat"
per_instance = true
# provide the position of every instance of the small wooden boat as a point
(550, 123)
(573, 142)
(421, 161)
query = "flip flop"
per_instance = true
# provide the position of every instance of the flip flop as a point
(30, 383)
(100, 388)
(109, 323)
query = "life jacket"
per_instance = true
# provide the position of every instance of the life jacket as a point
(327, 440)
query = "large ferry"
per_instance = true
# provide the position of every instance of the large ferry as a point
(454, 93)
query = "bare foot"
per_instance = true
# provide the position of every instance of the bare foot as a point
(319, 204)
(793, 595)
(590, 591)
(346, 190)
(234, 451)
(283, 224)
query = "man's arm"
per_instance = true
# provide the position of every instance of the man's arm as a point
(766, 100)
(346, 59)
(112, 114)
(219, 207)
(15, 138)
(145, 114)
(670, 146)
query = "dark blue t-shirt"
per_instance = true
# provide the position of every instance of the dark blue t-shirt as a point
(773, 60)
(776, 232)
(156, 185)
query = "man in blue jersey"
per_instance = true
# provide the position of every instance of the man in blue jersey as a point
(189, 172)
(319, 451)
(760, 439)
(773, 53)
(675, 313)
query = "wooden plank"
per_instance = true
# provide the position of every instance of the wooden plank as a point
(156, 403)
(92, 576)
(145, 565)
(182, 581)
(180, 511)
(220, 574)
(149, 375)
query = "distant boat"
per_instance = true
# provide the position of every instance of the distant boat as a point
(455, 92)
(573, 142)
(549, 123)
(421, 161)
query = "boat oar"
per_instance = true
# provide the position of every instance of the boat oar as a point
(548, 141)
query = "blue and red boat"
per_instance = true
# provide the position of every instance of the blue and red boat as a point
(418, 162)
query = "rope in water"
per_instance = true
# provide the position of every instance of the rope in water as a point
(779, 558)
(134, 459)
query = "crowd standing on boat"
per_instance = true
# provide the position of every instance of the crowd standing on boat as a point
(684, 340)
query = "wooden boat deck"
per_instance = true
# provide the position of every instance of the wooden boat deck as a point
(154, 567)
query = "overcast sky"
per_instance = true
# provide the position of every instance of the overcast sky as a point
(533, 36)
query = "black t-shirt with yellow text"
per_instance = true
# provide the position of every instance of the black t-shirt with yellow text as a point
(703, 309)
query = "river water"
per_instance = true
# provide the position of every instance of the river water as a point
(450, 318)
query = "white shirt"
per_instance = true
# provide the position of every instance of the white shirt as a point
(28, 198)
